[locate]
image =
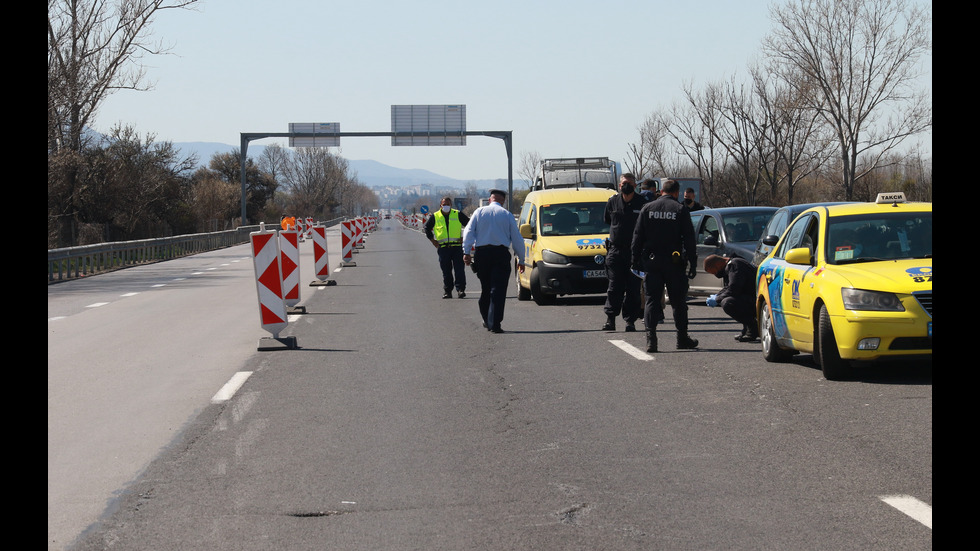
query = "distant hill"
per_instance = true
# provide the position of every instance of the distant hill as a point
(370, 173)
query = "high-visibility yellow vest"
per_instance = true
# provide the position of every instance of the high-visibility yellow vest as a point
(447, 234)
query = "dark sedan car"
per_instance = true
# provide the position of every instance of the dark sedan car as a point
(777, 225)
(725, 231)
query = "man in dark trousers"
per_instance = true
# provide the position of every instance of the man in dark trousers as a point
(663, 246)
(623, 293)
(492, 231)
(445, 230)
(737, 297)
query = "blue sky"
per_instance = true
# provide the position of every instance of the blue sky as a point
(569, 78)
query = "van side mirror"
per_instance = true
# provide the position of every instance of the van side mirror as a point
(711, 240)
(770, 240)
(527, 231)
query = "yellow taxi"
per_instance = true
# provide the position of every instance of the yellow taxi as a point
(565, 243)
(850, 282)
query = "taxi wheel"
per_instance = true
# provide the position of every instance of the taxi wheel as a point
(522, 293)
(770, 348)
(834, 368)
(540, 298)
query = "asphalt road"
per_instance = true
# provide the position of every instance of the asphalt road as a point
(398, 422)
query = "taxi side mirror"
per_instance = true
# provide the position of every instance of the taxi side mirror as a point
(527, 231)
(798, 256)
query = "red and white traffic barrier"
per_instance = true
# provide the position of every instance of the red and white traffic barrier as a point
(347, 242)
(309, 228)
(289, 265)
(268, 283)
(359, 233)
(321, 263)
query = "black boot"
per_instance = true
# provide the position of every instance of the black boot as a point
(684, 342)
(610, 324)
(651, 341)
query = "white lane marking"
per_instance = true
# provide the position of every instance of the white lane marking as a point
(632, 350)
(231, 387)
(56, 318)
(129, 294)
(97, 304)
(159, 285)
(292, 318)
(912, 507)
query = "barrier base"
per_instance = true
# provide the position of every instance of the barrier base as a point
(325, 283)
(296, 310)
(348, 264)
(277, 343)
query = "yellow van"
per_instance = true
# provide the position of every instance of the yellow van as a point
(565, 243)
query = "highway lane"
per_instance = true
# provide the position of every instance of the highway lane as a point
(133, 356)
(399, 423)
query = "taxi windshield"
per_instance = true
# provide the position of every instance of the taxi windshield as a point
(871, 237)
(573, 219)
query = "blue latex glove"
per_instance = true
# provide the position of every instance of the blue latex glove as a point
(712, 302)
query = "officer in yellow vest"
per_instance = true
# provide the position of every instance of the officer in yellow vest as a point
(445, 230)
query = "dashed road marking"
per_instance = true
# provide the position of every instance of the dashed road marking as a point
(231, 387)
(912, 507)
(632, 350)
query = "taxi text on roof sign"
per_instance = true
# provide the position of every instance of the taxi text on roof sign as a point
(895, 197)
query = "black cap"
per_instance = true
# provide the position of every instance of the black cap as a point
(499, 192)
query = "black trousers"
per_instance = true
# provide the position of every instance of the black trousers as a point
(453, 269)
(742, 310)
(493, 271)
(623, 293)
(674, 278)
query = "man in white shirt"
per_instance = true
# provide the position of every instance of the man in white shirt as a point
(491, 232)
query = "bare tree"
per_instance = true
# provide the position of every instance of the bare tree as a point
(530, 163)
(274, 160)
(800, 142)
(739, 129)
(692, 128)
(94, 49)
(862, 58)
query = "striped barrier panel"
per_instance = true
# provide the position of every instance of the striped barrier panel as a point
(347, 242)
(268, 280)
(321, 265)
(289, 264)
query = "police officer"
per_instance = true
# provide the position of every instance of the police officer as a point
(445, 230)
(621, 212)
(663, 245)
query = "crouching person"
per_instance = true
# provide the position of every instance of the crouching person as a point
(737, 296)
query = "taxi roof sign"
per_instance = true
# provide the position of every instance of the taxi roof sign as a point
(893, 197)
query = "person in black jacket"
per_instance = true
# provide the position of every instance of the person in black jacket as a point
(663, 245)
(737, 296)
(623, 293)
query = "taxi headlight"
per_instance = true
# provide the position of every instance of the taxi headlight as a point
(553, 258)
(859, 299)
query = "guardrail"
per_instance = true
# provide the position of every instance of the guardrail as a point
(75, 262)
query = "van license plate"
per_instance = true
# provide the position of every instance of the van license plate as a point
(594, 273)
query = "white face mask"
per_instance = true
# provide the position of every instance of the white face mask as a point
(445, 209)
